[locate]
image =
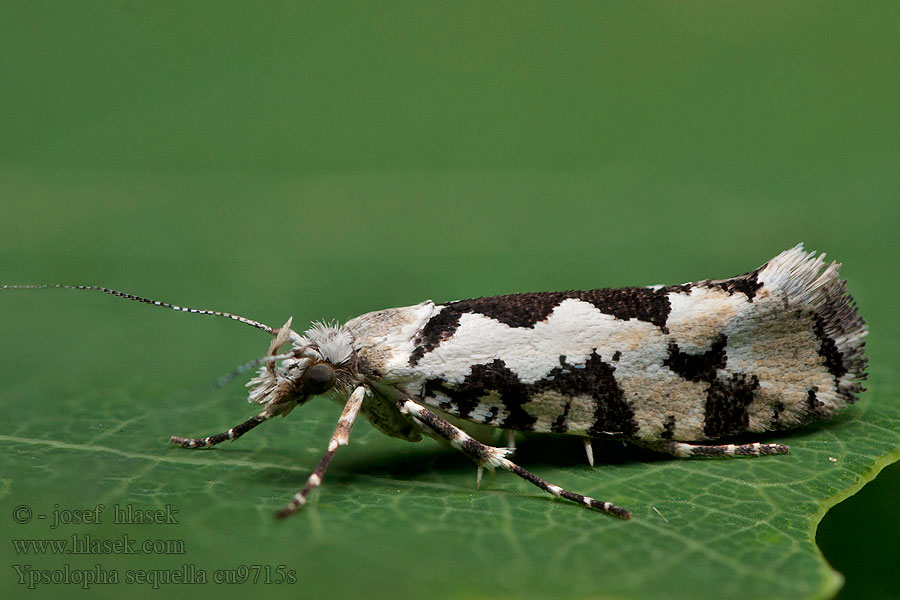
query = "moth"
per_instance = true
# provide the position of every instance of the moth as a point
(673, 368)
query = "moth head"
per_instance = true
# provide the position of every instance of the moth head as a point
(318, 363)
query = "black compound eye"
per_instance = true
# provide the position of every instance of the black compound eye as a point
(318, 378)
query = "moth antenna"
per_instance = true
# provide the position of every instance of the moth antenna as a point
(247, 366)
(96, 288)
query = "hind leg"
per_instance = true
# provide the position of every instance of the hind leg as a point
(684, 450)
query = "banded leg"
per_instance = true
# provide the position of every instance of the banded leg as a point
(232, 434)
(340, 437)
(684, 450)
(510, 447)
(491, 457)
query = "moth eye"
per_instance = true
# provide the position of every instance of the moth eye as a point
(318, 378)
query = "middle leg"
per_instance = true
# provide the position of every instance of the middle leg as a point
(491, 457)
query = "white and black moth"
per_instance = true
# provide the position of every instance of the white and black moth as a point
(664, 367)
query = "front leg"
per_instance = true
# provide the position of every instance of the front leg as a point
(232, 434)
(340, 437)
(491, 457)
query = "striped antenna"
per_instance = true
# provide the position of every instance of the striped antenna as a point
(95, 288)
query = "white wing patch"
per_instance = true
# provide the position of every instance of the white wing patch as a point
(574, 329)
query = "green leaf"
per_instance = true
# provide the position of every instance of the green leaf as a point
(328, 159)
(395, 518)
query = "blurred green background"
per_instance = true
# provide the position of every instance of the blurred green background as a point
(326, 159)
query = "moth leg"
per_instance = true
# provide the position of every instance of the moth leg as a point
(491, 457)
(340, 437)
(510, 446)
(232, 434)
(684, 450)
(479, 470)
